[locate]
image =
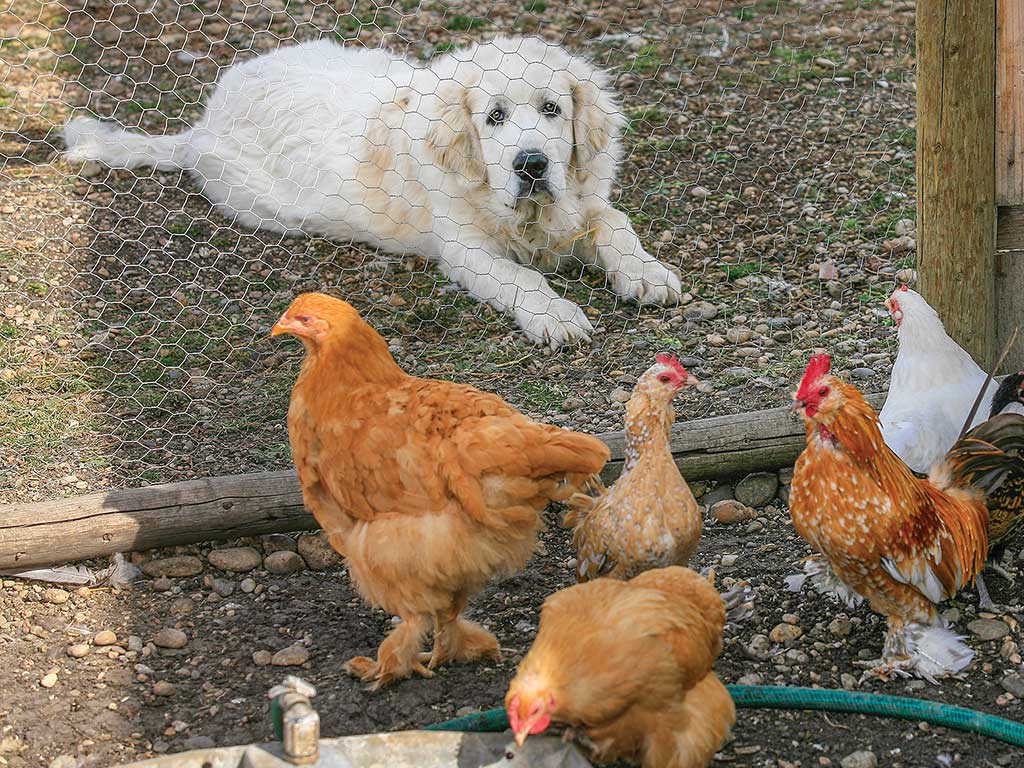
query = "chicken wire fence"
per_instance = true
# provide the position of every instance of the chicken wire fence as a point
(769, 159)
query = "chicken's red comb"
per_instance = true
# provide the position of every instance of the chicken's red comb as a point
(819, 366)
(904, 287)
(670, 360)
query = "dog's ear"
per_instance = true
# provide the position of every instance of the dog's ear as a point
(452, 137)
(597, 122)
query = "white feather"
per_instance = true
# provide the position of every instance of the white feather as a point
(936, 651)
(933, 386)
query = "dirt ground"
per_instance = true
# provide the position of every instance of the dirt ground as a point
(114, 703)
(770, 157)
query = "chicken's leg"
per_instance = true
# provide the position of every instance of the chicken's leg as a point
(459, 639)
(984, 598)
(397, 657)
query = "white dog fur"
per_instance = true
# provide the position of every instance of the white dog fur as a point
(355, 144)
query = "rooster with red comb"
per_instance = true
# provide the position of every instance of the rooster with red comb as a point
(649, 517)
(901, 542)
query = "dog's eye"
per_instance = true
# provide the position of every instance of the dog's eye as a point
(550, 108)
(496, 116)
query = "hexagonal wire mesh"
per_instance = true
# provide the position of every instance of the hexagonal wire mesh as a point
(768, 158)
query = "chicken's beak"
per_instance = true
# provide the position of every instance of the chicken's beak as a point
(692, 381)
(282, 326)
(797, 406)
(521, 736)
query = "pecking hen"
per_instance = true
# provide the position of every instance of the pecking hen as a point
(627, 666)
(427, 488)
(901, 542)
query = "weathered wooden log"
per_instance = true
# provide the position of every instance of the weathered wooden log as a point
(65, 530)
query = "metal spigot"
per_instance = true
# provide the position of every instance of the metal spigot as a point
(296, 723)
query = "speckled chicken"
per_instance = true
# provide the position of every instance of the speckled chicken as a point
(901, 542)
(649, 517)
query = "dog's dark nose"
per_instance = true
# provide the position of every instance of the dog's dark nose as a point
(530, 165)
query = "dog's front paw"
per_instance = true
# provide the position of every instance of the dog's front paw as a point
(648, 282)
(554, 323)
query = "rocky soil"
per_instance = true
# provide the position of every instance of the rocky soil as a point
(184, 656)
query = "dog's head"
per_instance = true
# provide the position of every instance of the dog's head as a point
(525, 118)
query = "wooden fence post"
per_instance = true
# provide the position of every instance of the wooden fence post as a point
(1010, 175)
(956, 214)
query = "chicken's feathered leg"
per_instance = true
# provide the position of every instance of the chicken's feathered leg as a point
(459, 639)
(397, 657)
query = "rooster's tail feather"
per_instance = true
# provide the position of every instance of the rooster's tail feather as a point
(583, 501)
(985, 456)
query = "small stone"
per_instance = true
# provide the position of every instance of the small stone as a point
(64, 761)
(262, 658)
(840, 626)
(1014, 684)
(827, 270)
(759, 647)
(56, 596)
(786, 634)
(573, 403)
(465, 711)
(757, 489)
(862, 373)
(988, 629)
(284, 562)
(905, 227)
(134, 643)
(78, 650)
(199, 742)
(317, 552)
(277, 542)
(106, 637)
(906, 275)
(730, 511)
(179, 567)
(247, 585)
(721, 492)
(49, 680)
(848, 681)
(292, 656)
(222, 587)
(739, 335)
(235, 559)
(164, 688)
(169, 637)
(751, 678)
(619, 395)
(699, 192)
(728, 560)
(11, 745)
(860, 759)
(754, 526)
(162, 584)
(701, 310)
(181, 606)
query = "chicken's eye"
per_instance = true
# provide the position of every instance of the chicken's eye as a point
(664, 378)
(823, 391)
(302, 318)
(496, 116)
(550, 109)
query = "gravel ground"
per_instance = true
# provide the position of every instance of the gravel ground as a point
(769, 157)
(139, 694)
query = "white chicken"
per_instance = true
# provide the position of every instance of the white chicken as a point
(934, 384)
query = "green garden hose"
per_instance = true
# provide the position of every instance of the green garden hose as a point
(784, 697)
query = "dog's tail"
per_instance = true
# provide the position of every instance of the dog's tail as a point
(88, 139)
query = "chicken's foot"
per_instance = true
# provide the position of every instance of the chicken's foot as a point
(1002, 572)
(397, 657)
(984, 599)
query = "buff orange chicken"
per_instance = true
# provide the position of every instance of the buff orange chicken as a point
(427, 488)
(900, 542)
(627, 666)
(649, 517)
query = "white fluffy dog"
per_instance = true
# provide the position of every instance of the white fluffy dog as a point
(494, 157)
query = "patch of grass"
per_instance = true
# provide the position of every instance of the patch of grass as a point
(36, 287)
(541, 394)
(652, 115)
(906, 137)
(722, 158)
(463, 23)
(536, 6)
(734, 271)
(647, 60)
(444, 47)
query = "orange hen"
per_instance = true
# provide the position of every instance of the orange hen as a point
(649, 517)
(900, 542)
(627, 666)
(427, 488)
